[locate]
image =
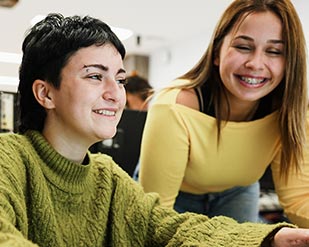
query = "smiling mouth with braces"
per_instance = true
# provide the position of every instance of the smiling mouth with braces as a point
(251, 80)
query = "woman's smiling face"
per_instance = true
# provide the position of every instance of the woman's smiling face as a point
(251, 60)
(91, 97)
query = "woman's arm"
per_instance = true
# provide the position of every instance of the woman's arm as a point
(164, 153)
(294, 193)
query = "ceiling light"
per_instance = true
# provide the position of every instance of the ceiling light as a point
(36, 19)
(122, 33)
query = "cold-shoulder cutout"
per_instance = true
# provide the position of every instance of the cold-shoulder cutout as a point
(188, 98)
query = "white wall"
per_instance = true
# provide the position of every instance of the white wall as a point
(167, 63)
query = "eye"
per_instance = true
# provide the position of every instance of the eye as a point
(95, 77)
(274, 52)
(122, 81)
(243, 48)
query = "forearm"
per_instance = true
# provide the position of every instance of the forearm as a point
(293, 195)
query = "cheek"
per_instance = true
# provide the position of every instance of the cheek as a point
(227, 66)
(123, 98)
(281, 69)
(277, 69)
(228, 60)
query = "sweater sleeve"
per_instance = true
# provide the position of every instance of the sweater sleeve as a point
(147, 223)
(164, 153)
(190, 229)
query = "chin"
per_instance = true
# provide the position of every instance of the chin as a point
(108, 134)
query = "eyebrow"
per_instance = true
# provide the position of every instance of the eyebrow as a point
(273, 41)
(102, 67)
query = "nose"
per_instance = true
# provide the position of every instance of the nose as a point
(256, 61)
(112, 91)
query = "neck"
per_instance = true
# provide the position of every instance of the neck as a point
(66, 146)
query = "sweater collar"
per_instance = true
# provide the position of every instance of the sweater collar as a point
(63, 173)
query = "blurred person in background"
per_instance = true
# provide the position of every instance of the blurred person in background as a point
(138, 91)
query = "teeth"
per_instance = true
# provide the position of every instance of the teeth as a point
(105, 112)
(251, 80)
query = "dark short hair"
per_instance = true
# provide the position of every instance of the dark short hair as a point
(47, 48)
(138, 85)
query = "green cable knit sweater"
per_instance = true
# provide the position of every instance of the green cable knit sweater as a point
(47, 200)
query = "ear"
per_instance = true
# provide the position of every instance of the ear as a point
(217, 60)
(43, 94)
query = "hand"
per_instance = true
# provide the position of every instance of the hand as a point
(291, 237)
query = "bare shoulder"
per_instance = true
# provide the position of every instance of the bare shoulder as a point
(188, 97)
